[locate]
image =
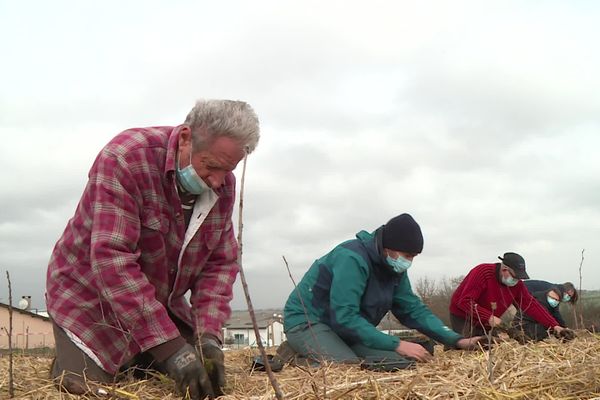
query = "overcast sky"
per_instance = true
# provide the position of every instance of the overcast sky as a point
(481, 119)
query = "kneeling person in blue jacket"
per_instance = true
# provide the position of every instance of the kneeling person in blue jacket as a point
(333, 312)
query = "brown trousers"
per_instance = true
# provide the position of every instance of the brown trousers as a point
(72, 370)
(464, 326)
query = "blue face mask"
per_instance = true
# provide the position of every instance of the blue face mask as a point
(553, 302)
(399, 264)
(566, 298)
(189, 179)
(510, 281)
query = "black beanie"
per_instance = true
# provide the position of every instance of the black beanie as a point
(402, 233)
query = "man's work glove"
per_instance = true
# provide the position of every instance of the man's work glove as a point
(214, 361)
(189, 374)
(565, 335)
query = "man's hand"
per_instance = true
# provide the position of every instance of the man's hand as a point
(469, 343)
(494, 321)
(413, 350)
(565, 334)
(188, 372)
(557, 329)
(214, 362)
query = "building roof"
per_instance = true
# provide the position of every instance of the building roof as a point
(25, 312)
(390, 323)
(240, 319)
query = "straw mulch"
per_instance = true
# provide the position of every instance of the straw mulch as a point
(545, 370)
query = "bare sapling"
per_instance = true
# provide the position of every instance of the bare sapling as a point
(489, 337)
(577, 314)
(312, 333)
(261, 348)
(11, 385)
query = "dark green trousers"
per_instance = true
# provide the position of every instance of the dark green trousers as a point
(320, 342)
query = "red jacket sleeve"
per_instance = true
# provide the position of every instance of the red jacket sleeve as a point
(469, 293)
(530, 306)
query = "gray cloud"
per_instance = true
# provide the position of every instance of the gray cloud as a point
(480, 121)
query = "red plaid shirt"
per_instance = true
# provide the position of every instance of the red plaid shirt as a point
(108, 277)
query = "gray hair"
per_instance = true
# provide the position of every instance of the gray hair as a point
(210, 119)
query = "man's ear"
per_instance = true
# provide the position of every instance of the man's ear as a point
(185, 135)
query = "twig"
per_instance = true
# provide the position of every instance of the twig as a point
(263, 353)
(303, 306)
(312, 333)
(490, 358)
(577, 310)
(11, 388)
(365, 381)
(580, 265)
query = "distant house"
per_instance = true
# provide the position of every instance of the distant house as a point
(238, 330)
(390, 325)
(30, 330)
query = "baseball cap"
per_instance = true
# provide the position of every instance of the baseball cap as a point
(517, 263)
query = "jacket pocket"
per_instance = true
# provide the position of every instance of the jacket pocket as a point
(211, 238)
(154, 220)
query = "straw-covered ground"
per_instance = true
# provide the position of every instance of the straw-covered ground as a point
(546, 370)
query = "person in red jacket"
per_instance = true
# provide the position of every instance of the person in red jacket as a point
(489, 292)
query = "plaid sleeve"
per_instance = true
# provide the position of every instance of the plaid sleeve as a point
(115, 206)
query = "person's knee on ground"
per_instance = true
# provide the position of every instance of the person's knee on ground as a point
(76, 382)
(72, 369)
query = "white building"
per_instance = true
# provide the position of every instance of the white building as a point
(390, 325)
(238, 330)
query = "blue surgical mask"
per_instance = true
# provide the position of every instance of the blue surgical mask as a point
(553, 302)
(189, 179)
(399, 264)
(510, 281)
(566, 298)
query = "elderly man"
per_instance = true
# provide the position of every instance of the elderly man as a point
(334, 311)
(153, 223)
(491, 294)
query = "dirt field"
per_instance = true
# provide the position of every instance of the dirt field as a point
(547, 370)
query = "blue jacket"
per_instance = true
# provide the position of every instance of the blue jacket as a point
(351, 289)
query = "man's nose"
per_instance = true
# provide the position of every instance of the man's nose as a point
(216, 180)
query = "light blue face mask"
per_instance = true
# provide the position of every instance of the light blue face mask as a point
(189, 179)
(566, 298)
(553, 302)
(510, 281)
(399, 264)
